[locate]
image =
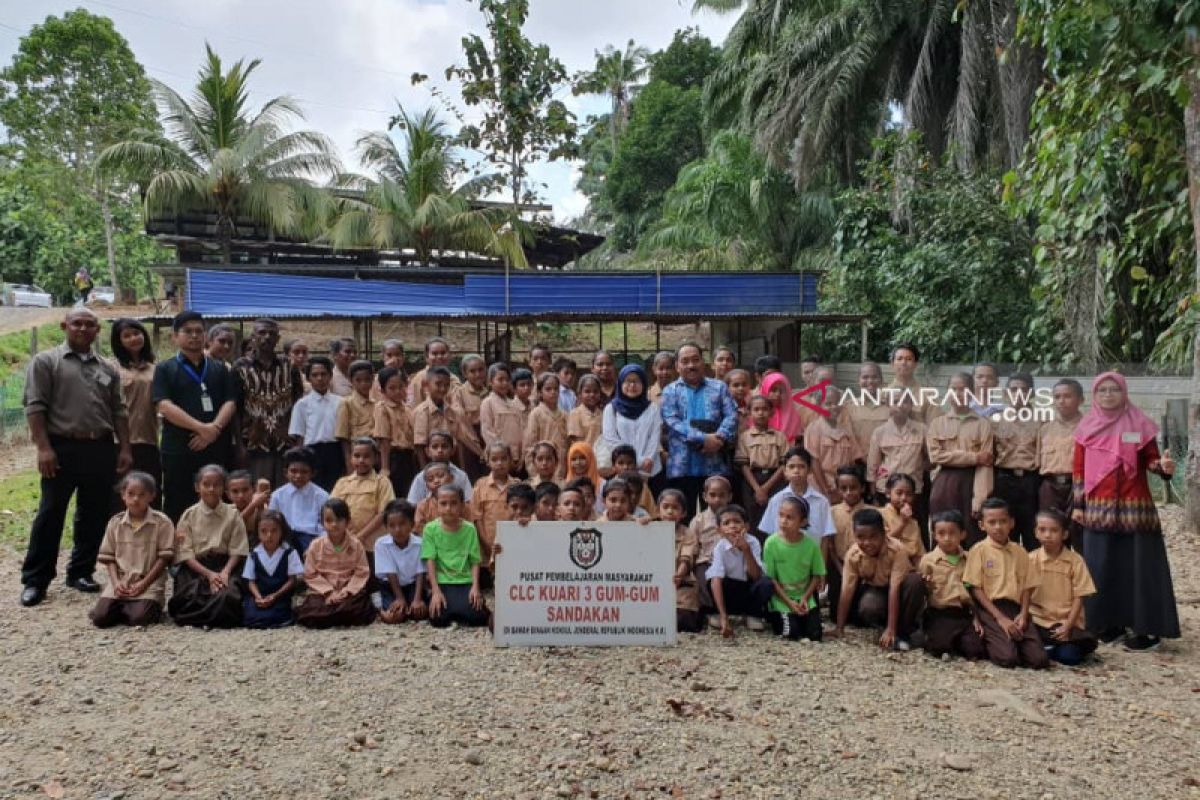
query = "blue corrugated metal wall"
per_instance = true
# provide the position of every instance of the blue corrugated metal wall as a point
(237, 294)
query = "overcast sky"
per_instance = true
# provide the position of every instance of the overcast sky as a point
(349, 61)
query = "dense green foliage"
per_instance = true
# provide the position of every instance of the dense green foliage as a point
(72, 89)
(1106, 179)
(949, 271)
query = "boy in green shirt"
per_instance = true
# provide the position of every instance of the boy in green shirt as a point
(450, 550)
(795, 565)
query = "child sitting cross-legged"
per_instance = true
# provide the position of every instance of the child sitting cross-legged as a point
(271, 574)
(687, 549)
(1062, 582)
(949, 621)
(450, 550)
(398, 566)
(735, 576)
(210, 543)
(793, 562)
(337, 574)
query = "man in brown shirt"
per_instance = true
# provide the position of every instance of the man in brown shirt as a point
(1017, 442)
(270, 387)
(74, 407)
(1056, 452)
(863, 417)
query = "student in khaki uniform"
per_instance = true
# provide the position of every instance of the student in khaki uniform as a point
(500, 417)
(356, 414)
(759, 455)
(853, 487)
(210, 545)
(687, 550)
(717, 494)
(1062, 582)
(904, 360)
(437, 354)
(663, 368)
(831, 445)
(367, 494)
(435, 413)
(1056, 453)
(898, 519)
(879, 587)
(1017, 458)
(490, 498)
(393, 432)
(137, 546)
(392, 355)
(949, 620)
(960, 442)
(586, 420)
(898, 445)
(1001, 582)
(467, 401)
(546, 424)
(864, 417)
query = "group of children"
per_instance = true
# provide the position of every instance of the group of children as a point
(517, 445)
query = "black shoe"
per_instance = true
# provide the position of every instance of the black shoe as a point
(32, 596)
(1142, 643)
(84, 584)
(1112, 635)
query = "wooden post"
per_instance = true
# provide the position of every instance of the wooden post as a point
(862, 353)
(625, 341)
(33, 341)
(601, 347)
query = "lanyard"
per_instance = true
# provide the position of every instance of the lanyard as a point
(197, 377)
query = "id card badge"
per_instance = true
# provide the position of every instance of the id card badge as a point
(1131, 437)
(206, 404)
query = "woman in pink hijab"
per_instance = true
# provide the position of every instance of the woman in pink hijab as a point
(1115, 446)
(785, 417)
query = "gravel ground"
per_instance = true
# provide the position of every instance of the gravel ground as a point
(413, 712)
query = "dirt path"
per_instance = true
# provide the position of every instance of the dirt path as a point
(414, 712)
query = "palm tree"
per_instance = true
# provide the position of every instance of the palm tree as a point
(218, 158)
(413, 202)
(617, 74)
(816, 80)
(733, 210)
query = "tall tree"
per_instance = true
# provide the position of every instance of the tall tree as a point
(220, 158)
(513, 80)
(816, 82)
(617, 73)
(687, 61)
(416, 201)
(72, 89)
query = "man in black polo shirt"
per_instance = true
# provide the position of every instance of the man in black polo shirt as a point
(74, 407)
(196, 396)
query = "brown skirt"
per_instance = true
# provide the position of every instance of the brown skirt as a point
(193, 602)
(954, 488)
(317, 612)
(1060, 494)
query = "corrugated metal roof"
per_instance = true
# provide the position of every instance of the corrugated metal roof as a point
(541, 295)
(239, 293)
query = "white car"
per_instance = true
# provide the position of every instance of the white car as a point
(106, 295)
(21, 294)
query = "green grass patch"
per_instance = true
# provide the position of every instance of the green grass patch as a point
(19, 498)
(14, 347)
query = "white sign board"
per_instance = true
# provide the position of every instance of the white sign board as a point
(585, 583)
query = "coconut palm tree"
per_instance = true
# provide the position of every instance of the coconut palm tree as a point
(816, 80)
(617, 74)
(217, 157)
(413, 201)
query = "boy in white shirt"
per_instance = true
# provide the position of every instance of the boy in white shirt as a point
(300, 500)
(797, 463)
(441, 448)
(398, 566)
(312, 423)
(735, 576)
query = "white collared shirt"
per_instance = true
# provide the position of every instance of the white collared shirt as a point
(300, 507)
(313, 417)
(418, 491)
(403, 562)
(271, 560)
(820, 518)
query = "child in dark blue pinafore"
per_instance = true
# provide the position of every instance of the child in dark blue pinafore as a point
(271, 574)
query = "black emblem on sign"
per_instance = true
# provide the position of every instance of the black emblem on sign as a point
(585, 547)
